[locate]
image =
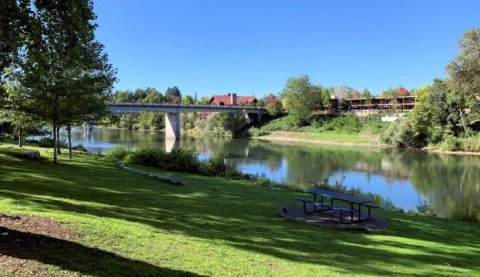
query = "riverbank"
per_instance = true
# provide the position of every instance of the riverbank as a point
(136, 225)
(324, 138)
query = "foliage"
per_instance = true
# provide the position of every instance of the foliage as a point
(257, 132)
(451, 143)
(150, 121)
(471, 144)
(345, 123)
(465, 69)
(64, 70)
(300, 98)
(173, 95)
(400, 134)
(119, 152)
(13, 20)
(273, 105)
(179, 160)
(401, 91)
(188, 100)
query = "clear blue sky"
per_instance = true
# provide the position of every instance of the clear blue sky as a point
(252, 47)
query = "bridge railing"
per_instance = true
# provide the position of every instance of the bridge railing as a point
(185, 105)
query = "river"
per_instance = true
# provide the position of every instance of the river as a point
(450, 184)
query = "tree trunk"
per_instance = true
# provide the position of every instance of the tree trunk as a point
(55, 143)
(69, 130)
(20, 137)
(58, 141)
(463, 120)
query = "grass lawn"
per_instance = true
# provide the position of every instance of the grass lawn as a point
(134, 225)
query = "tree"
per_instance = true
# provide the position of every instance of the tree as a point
(13, 17)
(464, 70)
(273, 105)
(23, 123)
(153, 96)
(173, 95)
(64, 70)
(187, 100)
(325, 98)
(367, 95)
(464, 81)
(401, 91)
(300, 98)
(203, 100)
(123, 96)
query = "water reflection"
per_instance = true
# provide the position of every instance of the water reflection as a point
(451, 184)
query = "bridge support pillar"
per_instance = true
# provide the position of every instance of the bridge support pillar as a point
(172, 126)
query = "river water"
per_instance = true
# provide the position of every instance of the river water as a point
(449, 184)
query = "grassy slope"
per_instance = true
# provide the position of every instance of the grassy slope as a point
(280, 129)
(214, 227)
(325, 137)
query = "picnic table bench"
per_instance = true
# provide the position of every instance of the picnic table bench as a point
(350, 209)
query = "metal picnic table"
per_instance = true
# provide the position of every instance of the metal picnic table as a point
(332, 195)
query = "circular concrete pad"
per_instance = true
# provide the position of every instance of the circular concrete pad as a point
(332, 219)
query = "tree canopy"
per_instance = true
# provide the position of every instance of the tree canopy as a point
(63, 68)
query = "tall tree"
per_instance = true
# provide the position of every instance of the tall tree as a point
(173, 95)
(300, 98)
(64, 70)
(464, 70)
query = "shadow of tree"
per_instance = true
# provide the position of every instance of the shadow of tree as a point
(76, 257)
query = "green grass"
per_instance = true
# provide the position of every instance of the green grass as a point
(136, 225)
(343, 138)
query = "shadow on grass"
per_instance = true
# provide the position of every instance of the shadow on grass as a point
(75, 257)
(244, 217)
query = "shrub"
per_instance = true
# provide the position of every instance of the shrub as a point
(450, 143)
(148, 157)
(348, 123)
(400, 134)
(119, 152)
(471, 144)
(256, 132)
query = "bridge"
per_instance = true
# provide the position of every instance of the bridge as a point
(172, 112)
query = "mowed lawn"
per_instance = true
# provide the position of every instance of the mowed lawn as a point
(135, 225)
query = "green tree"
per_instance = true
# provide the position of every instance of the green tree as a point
(13, 23)
(300, 98)
(173, 95)
(464, 81)
(367, 95)
(464, 70)
(123, 96)
(64, 70)
(325, 98)
(187, 100)
(153, 96)
(203, 100)
(23, 124)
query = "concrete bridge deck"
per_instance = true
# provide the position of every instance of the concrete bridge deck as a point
(172, 112)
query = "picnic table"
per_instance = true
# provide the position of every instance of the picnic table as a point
(353, 205)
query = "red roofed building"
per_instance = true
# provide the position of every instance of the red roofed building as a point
(232, 99)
